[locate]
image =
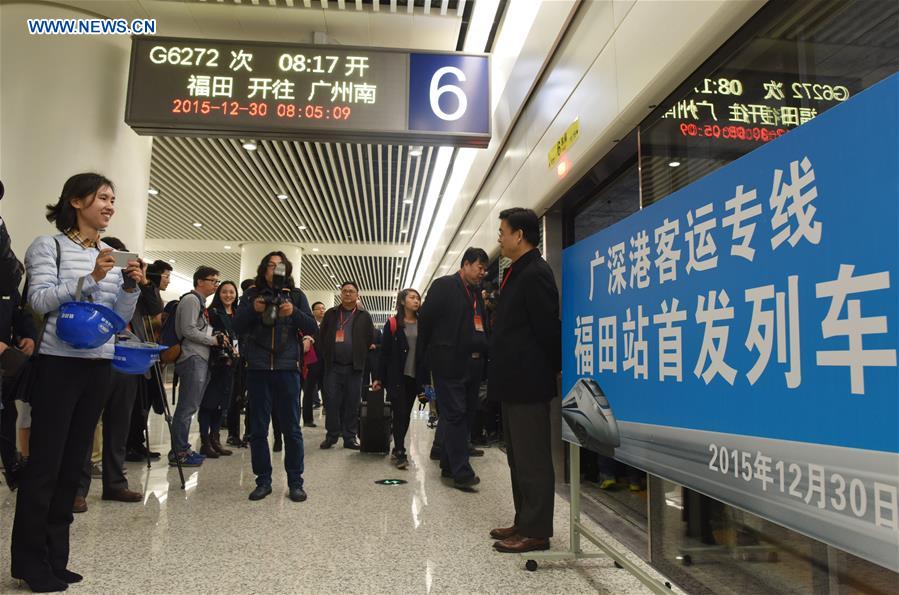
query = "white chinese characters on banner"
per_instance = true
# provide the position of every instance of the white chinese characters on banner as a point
(714, 338)
(765, 324)
(584, 345)
(636, 348)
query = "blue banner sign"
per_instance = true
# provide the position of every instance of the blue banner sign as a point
(739, 337)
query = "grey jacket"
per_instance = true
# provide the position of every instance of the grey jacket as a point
(47, 290)
(193, 328)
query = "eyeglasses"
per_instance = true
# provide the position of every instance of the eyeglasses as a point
(215, 282)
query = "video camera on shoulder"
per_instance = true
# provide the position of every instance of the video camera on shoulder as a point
(277, 294)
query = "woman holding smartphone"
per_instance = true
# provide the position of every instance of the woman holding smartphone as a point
(69, 384)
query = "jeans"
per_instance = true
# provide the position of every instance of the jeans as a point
(343, 387)
(277, 390)
(194, 375)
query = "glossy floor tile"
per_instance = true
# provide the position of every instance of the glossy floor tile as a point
(351, 536)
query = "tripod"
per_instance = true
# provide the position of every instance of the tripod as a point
(156, 374)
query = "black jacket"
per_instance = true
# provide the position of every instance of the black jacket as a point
(15, 324)
(363, 337)
(276, 347)
(526, 342)
(392, 362)
(446, 325)
(11, 269)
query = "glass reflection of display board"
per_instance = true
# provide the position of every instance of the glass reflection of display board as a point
(256, 90)
(742, 109)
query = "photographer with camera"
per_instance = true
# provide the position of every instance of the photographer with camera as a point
(196, 335)
(270, 318)
(222, 371)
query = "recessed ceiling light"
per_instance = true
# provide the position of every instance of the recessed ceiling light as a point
(416, 150)
(282, 197)
(404, 230)
(227, 247)
(249, 145)
(315, 249)
(301, 227)
(172, 260)
(152, 191)
(333, 276)
(401, 251)
(674, 164)
(399, 265)
(198, 224)
(408, 201)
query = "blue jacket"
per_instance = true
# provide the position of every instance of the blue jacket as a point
(49, 289)
(276, 347)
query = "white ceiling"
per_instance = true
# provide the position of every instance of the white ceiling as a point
(360, 204)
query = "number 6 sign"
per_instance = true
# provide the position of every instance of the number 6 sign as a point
(449, 94)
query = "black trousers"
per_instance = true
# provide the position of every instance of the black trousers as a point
(66, 400)
(311, 386)
(238, 402)
(401, 402)
(458, 402)
(116, 415)
(529, 450)
(8, 426)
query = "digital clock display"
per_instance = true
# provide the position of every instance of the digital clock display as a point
(254, 89)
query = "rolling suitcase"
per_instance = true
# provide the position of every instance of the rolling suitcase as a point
(375, 422)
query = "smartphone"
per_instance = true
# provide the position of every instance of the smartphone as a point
(122, 258)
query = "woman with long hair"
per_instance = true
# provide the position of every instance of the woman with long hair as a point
(222, 370)
(397, 369)
(69, 384)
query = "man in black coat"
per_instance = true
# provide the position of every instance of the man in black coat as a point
(525, 360)
(346, 337)
(452, 335)
(17, 331)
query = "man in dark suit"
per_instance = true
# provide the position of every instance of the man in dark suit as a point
(525, 360)
(452, 335)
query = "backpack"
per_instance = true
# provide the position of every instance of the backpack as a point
(168, 335)
(393, 324)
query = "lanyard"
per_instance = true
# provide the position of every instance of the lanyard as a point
(474, 300)
(341, 323)
(505, 279)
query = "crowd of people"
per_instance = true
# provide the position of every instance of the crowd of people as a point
(486, 359)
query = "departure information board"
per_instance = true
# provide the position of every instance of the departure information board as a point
(190, 87)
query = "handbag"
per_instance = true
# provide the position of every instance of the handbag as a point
(28, 370)
(12, 361)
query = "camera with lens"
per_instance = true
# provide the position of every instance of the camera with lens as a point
(222, 356)
(278, 294)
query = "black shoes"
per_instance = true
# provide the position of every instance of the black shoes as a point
(68, 576)
(400, 459)
(296, 494)
(475, 452)
(327, 444)
(467, 484)
(260, 492)
(354, 445)
(45, 584)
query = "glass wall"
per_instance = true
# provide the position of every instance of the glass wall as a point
(789, 63)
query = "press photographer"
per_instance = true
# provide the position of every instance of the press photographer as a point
(271, 318)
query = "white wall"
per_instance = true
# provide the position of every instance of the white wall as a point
(614, 61)
(62, 106)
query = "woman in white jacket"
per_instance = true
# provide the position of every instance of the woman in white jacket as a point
(69, 384)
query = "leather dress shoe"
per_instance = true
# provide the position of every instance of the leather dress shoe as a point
(354, 445)
(467, 483)
(518, 544)
(475, 452)
(43, 583)
(67, 576)
(327, 444)
(123, 496)
(79, 505)
(297, 494)
(501, 533)
(260, 492)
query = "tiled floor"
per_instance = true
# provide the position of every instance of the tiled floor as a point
(351, 536)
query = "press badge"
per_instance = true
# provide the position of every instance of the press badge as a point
(339, 336)
(478, 323)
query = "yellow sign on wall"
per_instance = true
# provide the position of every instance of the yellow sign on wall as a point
(564, 143)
